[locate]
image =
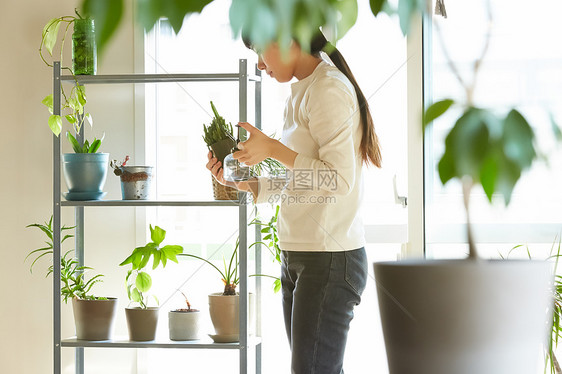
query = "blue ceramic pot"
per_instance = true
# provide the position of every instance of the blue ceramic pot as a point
(85, 172)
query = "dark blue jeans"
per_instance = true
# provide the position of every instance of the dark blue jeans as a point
(320, 290)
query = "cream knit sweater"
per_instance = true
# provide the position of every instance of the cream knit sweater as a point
(320, 198)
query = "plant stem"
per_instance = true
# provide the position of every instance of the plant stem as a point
(466, 188)
(556, 364)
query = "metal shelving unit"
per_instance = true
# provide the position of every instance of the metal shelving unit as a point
(246, 342)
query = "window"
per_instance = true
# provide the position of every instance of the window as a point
(522, 69)
(175, 146)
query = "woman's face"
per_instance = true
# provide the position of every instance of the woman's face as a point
(277, 64)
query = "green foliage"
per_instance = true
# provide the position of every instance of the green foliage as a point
(86, 147)
(230, 274)
(138, 281)
(107, 15)
(270, 239)
(73, 282)
(218, 129)
(263, 20)
(490, 149)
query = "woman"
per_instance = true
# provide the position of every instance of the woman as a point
(328, 134)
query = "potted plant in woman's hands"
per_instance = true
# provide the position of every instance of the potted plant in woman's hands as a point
(142, 320)
(218, 137)
(93, 316)
(184, 323)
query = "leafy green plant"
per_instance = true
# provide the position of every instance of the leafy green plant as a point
(86, 147)
(217, 130)
(229, 274)
(483, 147)
(138, 281)
(73, 281)
(74, 103)
(270, 240)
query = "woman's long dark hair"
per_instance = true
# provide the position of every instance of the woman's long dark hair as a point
(370, 149)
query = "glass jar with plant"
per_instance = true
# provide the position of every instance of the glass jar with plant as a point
(93, 315)
(142, 320)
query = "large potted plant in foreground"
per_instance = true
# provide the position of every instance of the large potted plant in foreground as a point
(142, 320)
(84, 170)
(473, 315)
(93, 316)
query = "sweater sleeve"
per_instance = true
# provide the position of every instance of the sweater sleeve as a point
(331, 109)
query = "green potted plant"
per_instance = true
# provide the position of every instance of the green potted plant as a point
(85, 170)
(224, 307)
(136, 181)
(93, 316)
(142, 320)
(219, 138)
(184, 323)
(472, 315)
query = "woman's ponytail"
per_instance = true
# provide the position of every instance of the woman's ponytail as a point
(370, 149)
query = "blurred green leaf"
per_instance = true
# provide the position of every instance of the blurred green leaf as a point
(555, 128)
(377, 6)
(518, 139)
(436, 110)
(107, 15)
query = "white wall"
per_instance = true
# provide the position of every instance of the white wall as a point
(26, 189)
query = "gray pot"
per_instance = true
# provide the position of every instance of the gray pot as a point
(136, 182)
(85, 172)
(142, 323)
(184, 325)
(464, 316)
(94, 319)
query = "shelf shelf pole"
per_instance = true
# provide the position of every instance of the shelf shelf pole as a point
(242, 232)
(56, 225)
(79, 246)
(257, 235)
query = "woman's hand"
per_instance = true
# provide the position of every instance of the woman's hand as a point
(216, 169)
(257, 148)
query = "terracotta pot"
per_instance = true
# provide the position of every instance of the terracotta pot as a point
(94, 319)
(184, 325)
(142, 323)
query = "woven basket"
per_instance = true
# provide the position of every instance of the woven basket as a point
(222, 192)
